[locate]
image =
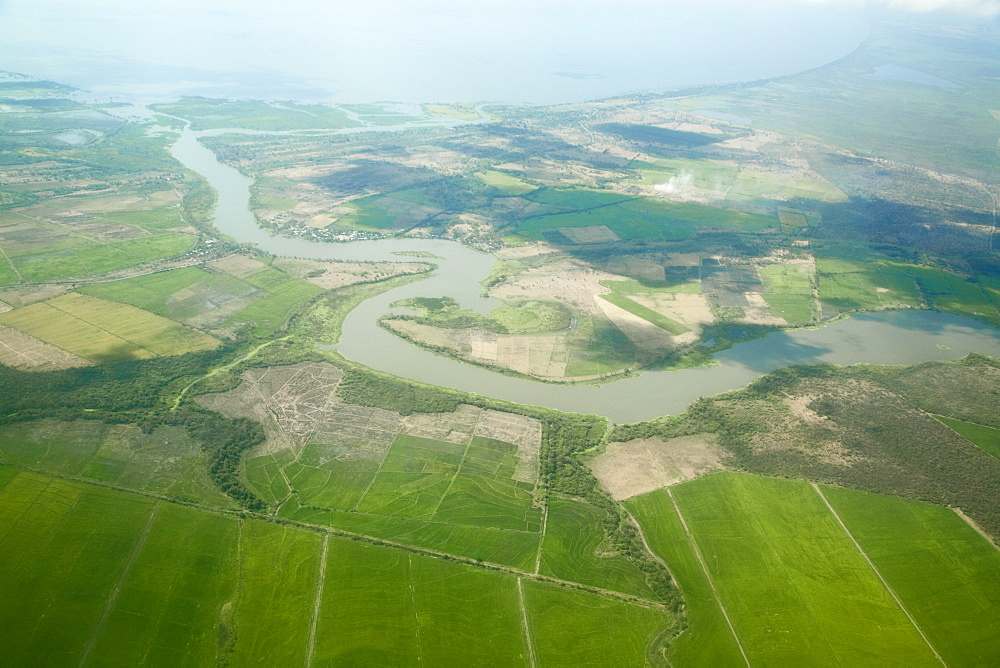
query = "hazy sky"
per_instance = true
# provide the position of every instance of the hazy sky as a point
(423, 50)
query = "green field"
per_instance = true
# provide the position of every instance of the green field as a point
(649, 315)
(178, 294)
(794, 585)
(708, 640)
(847, 285)
(103, 331)
(165, 461)
(945, 573)
(572, 550)
(789, 292)
(633, 219)
(597, 347)
(121, 579)
(987, 438)
(286, 295)
(572, 628)
(505, 182)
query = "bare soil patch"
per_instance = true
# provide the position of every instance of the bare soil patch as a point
(643, 465)
(22, 351)
(239, 266)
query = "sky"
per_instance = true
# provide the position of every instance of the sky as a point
(537, 51)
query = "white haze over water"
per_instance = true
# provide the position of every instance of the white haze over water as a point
(543, 51)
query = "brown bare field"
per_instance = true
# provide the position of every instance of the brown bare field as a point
(688, 308)
(643, 465)
(341, 274)
(539, 355)
(298, 404)
(22, 351)
(238, 266)
(646, 336)
(566, 279)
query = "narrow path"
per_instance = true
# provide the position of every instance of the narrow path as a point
(116, 592)
(20, 279)
(541, 539)
(320, 581)
(879, 574)
(413, 604)
(972, 523)
(226, 367)
(529, 642)
(708, 577)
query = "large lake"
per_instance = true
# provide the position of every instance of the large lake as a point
(516, 51)
(901, 337)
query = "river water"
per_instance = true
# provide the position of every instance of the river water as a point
(899, 337)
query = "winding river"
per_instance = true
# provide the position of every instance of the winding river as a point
(898, 337)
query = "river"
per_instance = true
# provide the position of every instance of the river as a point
(897, 337)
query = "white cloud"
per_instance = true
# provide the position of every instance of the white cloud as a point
(974, 7)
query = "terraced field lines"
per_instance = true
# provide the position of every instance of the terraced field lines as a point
(116, 592)
(529, 642)
(708, 576)
(320, 581)
(878, 573)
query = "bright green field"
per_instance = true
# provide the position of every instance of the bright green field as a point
(280, 568)
(505, 182)
(572, 545)
(986, 438)
(286, 296)
(573, 628)
(390, 607)
(795, 586)
(707, 641)
(848, 285)
(945, 573)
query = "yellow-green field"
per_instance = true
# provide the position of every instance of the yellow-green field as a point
(103, 331)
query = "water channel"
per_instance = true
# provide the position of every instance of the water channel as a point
(898, 337)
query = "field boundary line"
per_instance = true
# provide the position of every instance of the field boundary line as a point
(642, 536)
(529, 642)
(875, 569)
(708, 576)
(317, 601)
(972, 523)
(20, 278)
(116, 592)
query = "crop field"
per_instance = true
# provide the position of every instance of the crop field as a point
(636, 218)
(571, 628)
(21, 351)
(189, 294)
(649, 315)
(286, 295)
(64, 543)
(112, 577)
(752, 185)
(847, 285)
(987, 438)
(280, 567)
(171, 603)
(395, 211)
(708, 640)
(102, 331)
(572, 550)
(388, 606)
(165, 462)
(945, 573)
(789, 292)
(597, 347)
(505, 182)
(773, 555)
